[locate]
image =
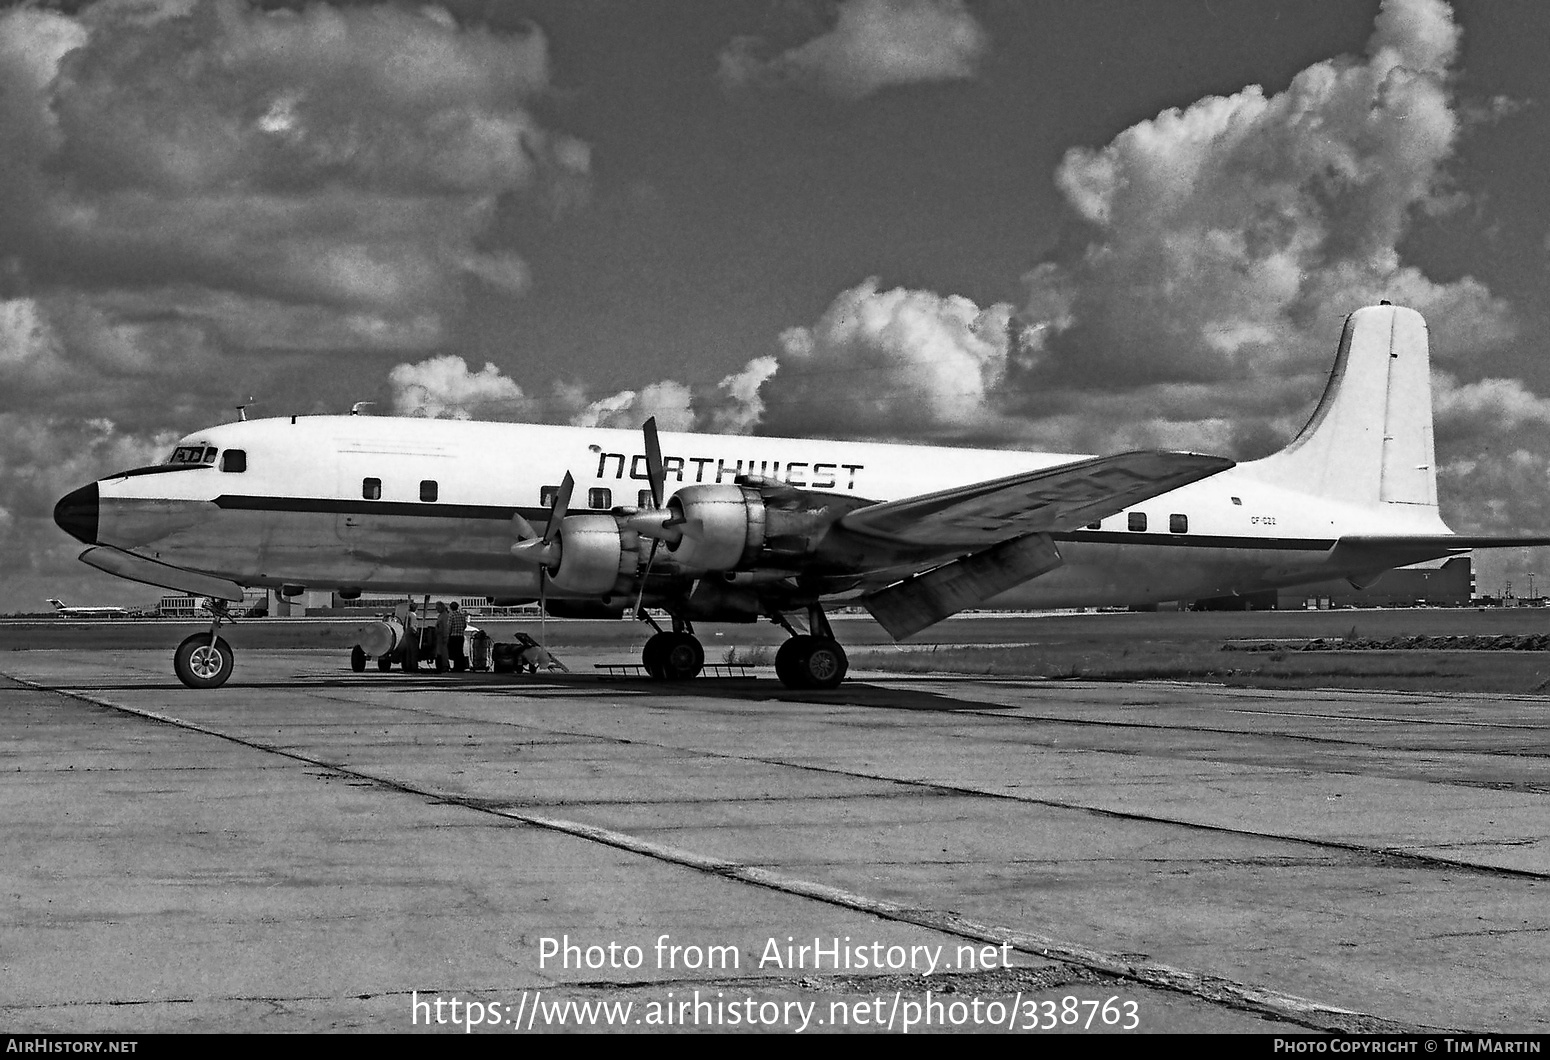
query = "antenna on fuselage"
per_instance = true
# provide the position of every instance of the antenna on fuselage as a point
(242, 411)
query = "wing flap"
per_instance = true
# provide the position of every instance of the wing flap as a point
(1048, 500)
(923, 600)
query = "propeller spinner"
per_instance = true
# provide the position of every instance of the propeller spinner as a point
(543, 551)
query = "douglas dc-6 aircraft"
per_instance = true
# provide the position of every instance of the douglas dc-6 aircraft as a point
(714, 528)
(66, 611)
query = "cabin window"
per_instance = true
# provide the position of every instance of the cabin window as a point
(234, 460)
(643, 499)
(1137, 521)
(1178, 524)
(1095, 526)
(1238, 501)
(600, 498)
(427, 489)
(371, 489)
(547, 495)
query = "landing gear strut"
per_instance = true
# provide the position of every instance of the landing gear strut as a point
(811, 660)
(673, 656)
(205, 660)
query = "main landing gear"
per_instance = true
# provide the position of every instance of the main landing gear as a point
(810, 660)
(205, 660)
(806, 660)
(673, 656)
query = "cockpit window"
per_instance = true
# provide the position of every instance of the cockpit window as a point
(193, 454)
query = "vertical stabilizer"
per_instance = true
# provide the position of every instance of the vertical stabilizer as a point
(1369, 441)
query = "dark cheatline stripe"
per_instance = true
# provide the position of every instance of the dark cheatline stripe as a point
(1120, 537)
(420, 509)
(432, 510)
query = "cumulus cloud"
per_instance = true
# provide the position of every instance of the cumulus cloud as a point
(443, 386)
(671, 402)
(201, 193)
(737, 405)
(1225, 237)
(1216, 249)
(880, 361)
(1487, 405)
(344, 159)
(873, 44)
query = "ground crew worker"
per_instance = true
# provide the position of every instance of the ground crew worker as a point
(411, 647)
(443, 635)
(455, 637)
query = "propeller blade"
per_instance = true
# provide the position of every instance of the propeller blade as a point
(523, 528)
(655, 474)
(560, 507)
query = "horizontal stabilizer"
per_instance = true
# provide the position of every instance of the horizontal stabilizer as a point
(1050, 500)
(912, 605)
(164, 575)
(1451, 542)
(1375, 553)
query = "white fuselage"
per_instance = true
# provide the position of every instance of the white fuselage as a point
(422, 505)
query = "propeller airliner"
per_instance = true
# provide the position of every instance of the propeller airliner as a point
(701, 527)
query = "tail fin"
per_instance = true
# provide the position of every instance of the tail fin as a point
(58, 604)
(1369, 441)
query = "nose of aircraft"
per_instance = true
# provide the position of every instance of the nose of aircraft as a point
(76, 514)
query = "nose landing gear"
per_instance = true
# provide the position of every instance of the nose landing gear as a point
(205, 660)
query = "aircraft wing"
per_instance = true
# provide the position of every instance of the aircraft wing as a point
(1049, 500)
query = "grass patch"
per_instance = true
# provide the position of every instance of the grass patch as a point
(757, 655)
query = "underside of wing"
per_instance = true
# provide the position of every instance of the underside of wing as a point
(1049, 500)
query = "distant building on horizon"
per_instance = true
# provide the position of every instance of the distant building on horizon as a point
(1449, 584)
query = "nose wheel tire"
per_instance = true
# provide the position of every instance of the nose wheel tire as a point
(806, 661)
(673, 656)
(199, 663)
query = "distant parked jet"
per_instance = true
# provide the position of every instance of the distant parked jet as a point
(89, 612)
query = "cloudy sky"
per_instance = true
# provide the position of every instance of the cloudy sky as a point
(1076, 226)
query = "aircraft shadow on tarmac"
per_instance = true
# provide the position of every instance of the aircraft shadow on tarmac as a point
(750, 689)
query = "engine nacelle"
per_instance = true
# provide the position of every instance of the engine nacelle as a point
(723, 527)
(594, 555)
